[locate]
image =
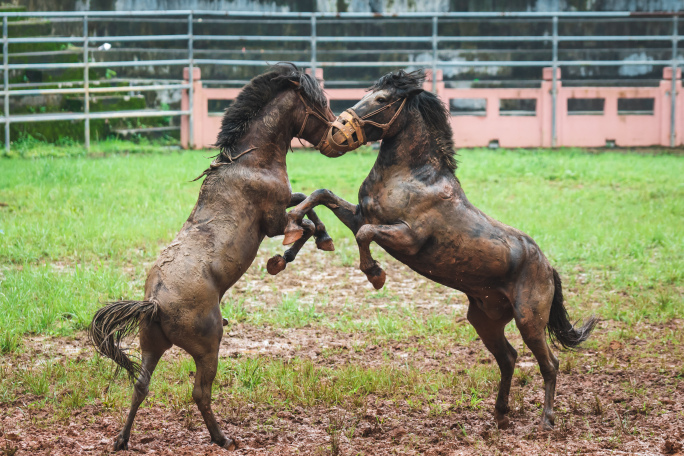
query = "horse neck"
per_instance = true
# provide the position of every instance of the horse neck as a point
(269, 136)
(413, 147)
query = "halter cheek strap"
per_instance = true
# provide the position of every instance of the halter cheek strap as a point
(310, 111)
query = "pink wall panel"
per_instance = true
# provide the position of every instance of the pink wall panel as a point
(509, 130)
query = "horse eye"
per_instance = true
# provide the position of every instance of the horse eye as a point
(381, 99)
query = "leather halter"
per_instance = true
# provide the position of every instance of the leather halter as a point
(350, 133)
(322, 145)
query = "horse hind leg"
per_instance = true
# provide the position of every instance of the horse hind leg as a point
(492, 334)
(531, 317)
(202, 341)
(153, 344)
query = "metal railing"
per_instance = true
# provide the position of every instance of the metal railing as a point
(313, 39)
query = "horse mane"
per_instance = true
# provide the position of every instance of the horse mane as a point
(435, 114)
(252, 99)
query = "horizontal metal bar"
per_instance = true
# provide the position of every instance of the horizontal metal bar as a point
(242, 62)
(138, 88)
(249, 38)
(92, 115)
(43, 66)
(614, 62)
(282, 14)
(47, 39)
(98, 89)
(139, 63)
(139, 113)
(375, 39)
(117, 39)
(45, 91)
(131, 63)
(472, 63)
(619, 38)
(469, 63)
(447, 39)
(350, 39)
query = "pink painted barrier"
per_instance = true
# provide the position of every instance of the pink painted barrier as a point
(511, 128)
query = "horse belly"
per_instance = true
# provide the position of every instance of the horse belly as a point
(467, 267)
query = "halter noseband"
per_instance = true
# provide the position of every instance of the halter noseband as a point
(350, 134)
(323, 146)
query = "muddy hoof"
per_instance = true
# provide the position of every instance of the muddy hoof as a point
(276, 264)
(503, 422)
(546, 425)
(120, 444)
(325, 244)
(293, 232)
(228, 444)
(376, 276)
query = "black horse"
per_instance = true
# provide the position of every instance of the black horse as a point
(413, 206)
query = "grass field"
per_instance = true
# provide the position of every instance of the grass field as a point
(78, 231)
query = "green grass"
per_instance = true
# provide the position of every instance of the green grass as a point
(78, 231)
(70, 384)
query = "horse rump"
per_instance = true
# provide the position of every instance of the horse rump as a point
(560, 330)
(113, 323)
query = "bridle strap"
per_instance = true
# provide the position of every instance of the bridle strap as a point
(384, 127)
(314, 112)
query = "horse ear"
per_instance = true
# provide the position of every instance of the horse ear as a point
(295, 83)
(415, 91)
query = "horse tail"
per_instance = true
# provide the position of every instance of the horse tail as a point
(114, 322)
(559, 328)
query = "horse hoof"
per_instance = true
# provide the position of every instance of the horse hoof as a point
(378, 280)
(325, 244)
(546, 425)
(120, 444)
(293, 234)
(503, 422)
(276, 264)
(228, 444)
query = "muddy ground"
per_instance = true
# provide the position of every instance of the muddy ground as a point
(621, 395)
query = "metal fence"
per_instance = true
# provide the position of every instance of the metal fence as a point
(313, 39)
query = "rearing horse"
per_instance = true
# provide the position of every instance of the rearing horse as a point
(413, 206)
(242, 199)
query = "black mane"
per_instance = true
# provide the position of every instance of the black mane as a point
(255, 95)
(434, 112)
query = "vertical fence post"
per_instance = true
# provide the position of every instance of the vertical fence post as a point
(314, 46)
(5, 61)
(434, 54)
(86, 83)
(673, 90)
(554, 84)
(191, 89)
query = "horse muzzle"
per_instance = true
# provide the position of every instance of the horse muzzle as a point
(345, 134)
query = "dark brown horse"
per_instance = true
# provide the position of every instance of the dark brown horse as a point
(242, 199)
(413, 206)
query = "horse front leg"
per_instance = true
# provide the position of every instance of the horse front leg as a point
(399, 238)
(312, 227)
(348, 213)
(323, 240)
(278, 263)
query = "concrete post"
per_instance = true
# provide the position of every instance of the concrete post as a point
(199, 109)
